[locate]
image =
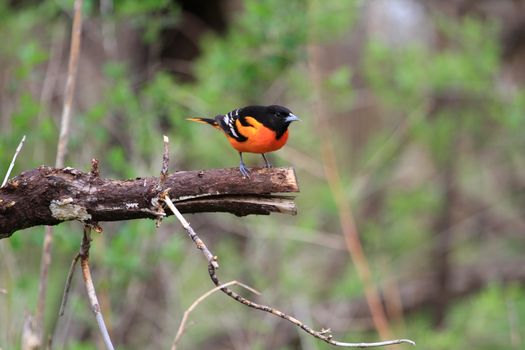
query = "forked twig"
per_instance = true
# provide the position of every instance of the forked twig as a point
(181, 329)
(90, 287)
(83, 256)
(324, 334)
(95, 172)
(18, 149)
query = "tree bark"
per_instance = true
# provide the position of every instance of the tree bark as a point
(49, 196)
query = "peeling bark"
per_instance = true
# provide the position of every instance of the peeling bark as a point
(49, 196)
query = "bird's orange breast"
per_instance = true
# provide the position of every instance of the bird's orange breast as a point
(260, 139)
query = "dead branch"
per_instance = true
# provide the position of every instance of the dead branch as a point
(49, 196)
(324, 334)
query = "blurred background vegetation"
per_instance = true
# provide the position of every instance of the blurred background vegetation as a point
(421, 101)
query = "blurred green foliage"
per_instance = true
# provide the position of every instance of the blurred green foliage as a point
(442, 106)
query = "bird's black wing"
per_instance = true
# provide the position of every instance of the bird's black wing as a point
(228, 125)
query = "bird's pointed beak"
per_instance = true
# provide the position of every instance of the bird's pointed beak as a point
(291, 118)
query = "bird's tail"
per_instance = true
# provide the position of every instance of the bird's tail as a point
(211, 122)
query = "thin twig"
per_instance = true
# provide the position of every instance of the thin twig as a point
(181, 329)
(74, 54)
(212, 260)
(324, 334)
(72, 69)
(18, 149)
(90, 287)
(67, 287)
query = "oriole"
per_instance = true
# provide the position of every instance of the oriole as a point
(254, 129)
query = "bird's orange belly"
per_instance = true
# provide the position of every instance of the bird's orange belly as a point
(262, 141)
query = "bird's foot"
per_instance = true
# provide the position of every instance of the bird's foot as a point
(244, 170)
(266, 162)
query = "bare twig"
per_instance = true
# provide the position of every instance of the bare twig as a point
(166, 199)
(67, 287)
(74, 54)
(18, 149)
(324, 334)
(182, 326)
(95, 171)
(90, 288)
(212, 260)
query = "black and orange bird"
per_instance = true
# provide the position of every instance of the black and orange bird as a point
(254, 129)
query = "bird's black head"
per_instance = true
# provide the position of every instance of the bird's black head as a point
(278, 118)
(282, 113)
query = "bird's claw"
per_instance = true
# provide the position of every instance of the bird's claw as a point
(244, 170)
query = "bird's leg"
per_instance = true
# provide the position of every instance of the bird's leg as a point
(268, 165)
(242, 167)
